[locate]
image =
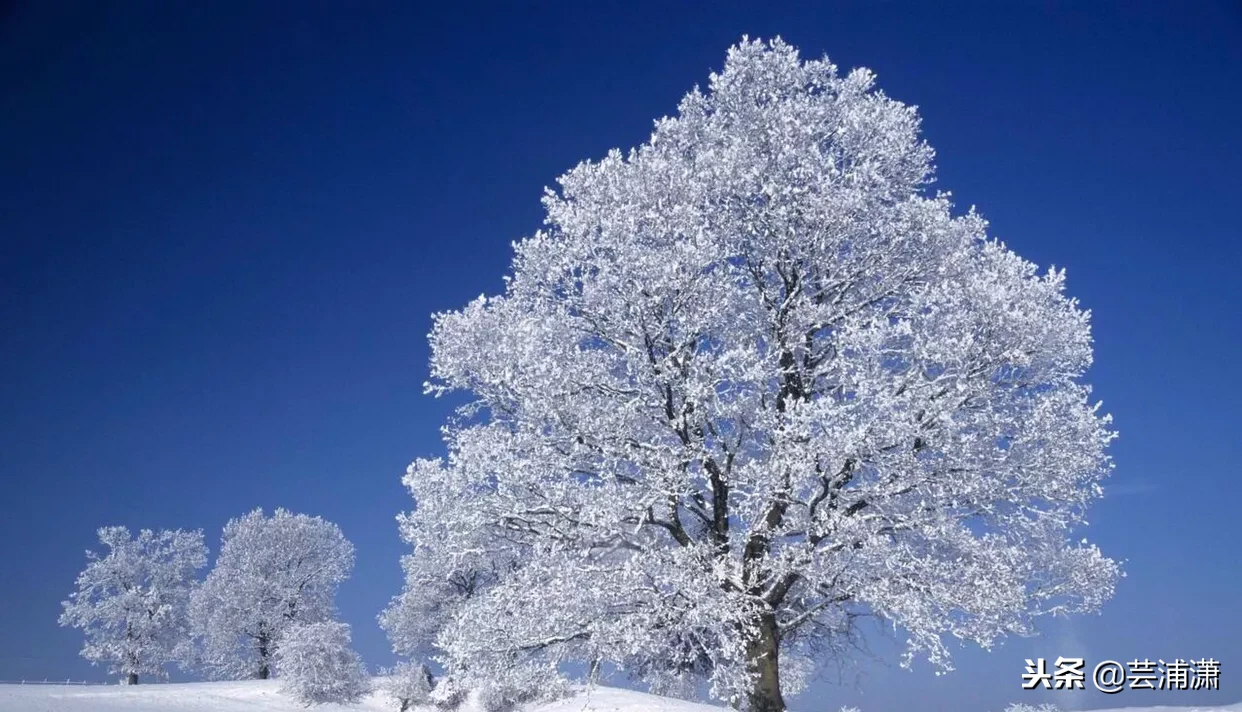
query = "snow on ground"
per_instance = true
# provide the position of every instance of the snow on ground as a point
(1165, 708)
(243, 696)
(264, 696)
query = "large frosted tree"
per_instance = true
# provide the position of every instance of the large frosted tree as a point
(752, 382)
(272, 573)
(131, 601)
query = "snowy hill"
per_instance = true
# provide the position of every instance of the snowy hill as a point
(264, 696)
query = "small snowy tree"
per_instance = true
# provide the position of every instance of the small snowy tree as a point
(447, 694)
(316, 665)
(131, 601)
(752, 382)
(272, 573)
(408, 684)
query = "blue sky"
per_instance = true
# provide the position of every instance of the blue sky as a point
(224, 231)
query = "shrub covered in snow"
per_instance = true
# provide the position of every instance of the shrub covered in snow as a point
(408, 684)
(316, 665)
(519, 684)
(447, 694)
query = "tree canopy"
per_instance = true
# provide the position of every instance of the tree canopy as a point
(751, 382)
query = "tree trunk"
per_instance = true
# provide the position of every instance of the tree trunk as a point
(264, 672)
(132, 679)
(764, 655)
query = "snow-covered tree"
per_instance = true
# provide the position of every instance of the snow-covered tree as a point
(272, 573)
(131, 601)
(505, 689)
(315, 664)
(408, 684)
(447, 694)
(427, 601)
(752, 382)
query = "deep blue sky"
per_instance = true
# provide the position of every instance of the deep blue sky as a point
(224, 231)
